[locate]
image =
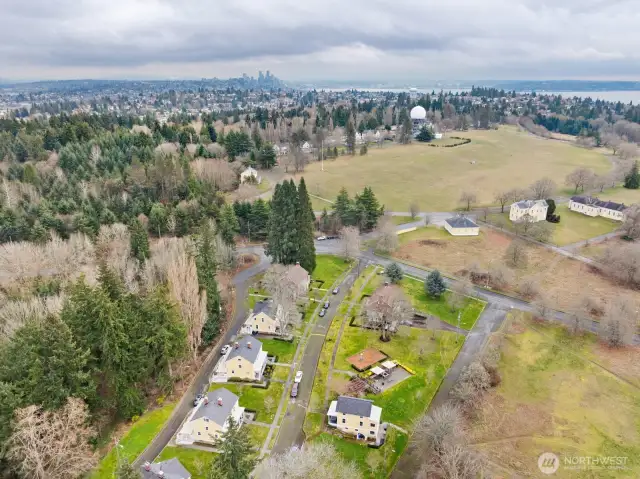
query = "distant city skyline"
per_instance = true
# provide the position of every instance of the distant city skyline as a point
(314, 41)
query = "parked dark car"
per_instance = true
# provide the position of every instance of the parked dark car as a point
(197, 399)
(294, 390)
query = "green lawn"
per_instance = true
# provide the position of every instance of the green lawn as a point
(438, 307)
(573, 226)
(313, 423)
(280, 372)
(401, 220)
(372, 463)
(284, 350)
(195, 461)
(329, 268)
(257, 434)
(427, 353)
(254, 398)
(434, 177)
(135, 441)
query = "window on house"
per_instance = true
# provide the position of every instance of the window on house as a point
(206, 428)
(199, 433)
(372, 433)
(361, 423)
(373, 424)
(343, 420)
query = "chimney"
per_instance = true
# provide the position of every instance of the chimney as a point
(219, 401)
(147, 466)
(160, 473)
(249, 344)
(236, 345)
(206, 400)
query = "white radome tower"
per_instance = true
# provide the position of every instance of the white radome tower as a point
(418, 113)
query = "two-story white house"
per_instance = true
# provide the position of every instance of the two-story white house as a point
(250, 174)
(591, 206)
(532, 210)
(210, 419)
(356, 417)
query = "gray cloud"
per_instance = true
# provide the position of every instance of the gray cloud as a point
(321, 39)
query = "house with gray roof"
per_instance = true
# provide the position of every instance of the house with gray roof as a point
(265, 318)
(210, 418)
(246, 360)
(461, 225)
(169, 469)
(356, 417)
(592, 206)
(529, 210)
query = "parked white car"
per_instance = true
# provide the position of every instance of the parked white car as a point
(225, 349)
(298, 377)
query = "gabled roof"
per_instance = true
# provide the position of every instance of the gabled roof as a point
(263, 306)
(526, 204)
(171, 469)
(248, 348)
(213, 411)
(297, 274)
(355, 406)
(461, 222)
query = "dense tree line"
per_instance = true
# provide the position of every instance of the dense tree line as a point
(362, 211)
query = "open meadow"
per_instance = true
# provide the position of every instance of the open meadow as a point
(566, 281)
(559, 394)
(435, 177)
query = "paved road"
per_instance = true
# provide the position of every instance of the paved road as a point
(291, 432)
(201, 381)
(489, 322)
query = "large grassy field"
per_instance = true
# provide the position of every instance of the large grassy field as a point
(564, 280)
(573, 227)
(434, 178)
(556, 396)
(620, 195)
(134, 441)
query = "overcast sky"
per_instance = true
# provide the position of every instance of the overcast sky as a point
(403, 40)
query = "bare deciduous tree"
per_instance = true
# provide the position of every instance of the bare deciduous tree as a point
(441, 426)
(619, 322)
(317, 460)
(350, 242)
(52, 444)
(631, 226)
(622, 262)
(628, 151)
(457, 461)
(387, 237)
(414, 210)
(386, 310)
(529, 287)
(468, 198)
(501, 276)
(601, 181)
(516, 194)
(502, 197)
(543, 307)
(543, 188)
(284, 293)
(611, 140)
(217, 173)
(579, 179)
(516, 254)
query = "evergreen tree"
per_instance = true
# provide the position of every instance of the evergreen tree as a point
(236, 459)
(212, 133)
(351, 137)
(158, 219)
(370, 210)
(434, 284)
(267, 157)
(139, 241)
(343, 208)
(206, 266)
(394, 273)
(228, 225)
(425, 135)
(255, 137)
(305, 220)
(258, 220)
(632, 180)
(282, 241)
(204, 135)
(126, 470)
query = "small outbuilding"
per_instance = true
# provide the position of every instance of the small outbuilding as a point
(461, 226)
